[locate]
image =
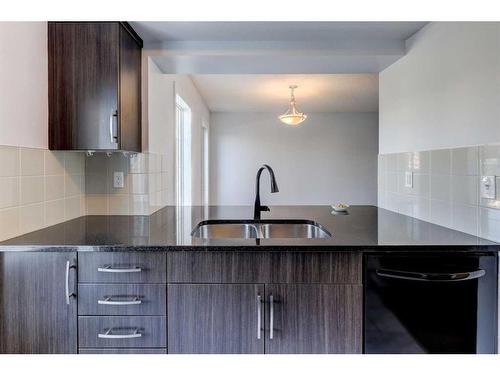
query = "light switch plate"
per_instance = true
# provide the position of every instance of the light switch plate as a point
(409, 180)
(118, 180)
(488, 187)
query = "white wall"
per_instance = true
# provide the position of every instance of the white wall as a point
(331, 158)
(161, 124)
(23, 84)
(445, 92)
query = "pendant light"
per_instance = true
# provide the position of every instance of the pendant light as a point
(292, 116)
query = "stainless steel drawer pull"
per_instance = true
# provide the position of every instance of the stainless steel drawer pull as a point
(271, 317)
(436, 277)
(109, 301)
(118, 270)
(112, 136)
(259, 316)
(108, 335)
(68, 293)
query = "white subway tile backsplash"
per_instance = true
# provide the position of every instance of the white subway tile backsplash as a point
(31, 217)
(465, 218)
(32, 189)
(119, 204)
(96, 204)
(9, 165)
(39, 187)
(421, 185)
(72, 208)
(452, 177)
(54, 187)
(391, 163)
(139, 184)
(464, 190)
(32, 185)
(139, 204)
(54, 162)
(418, 161)
(9, 191)
(73, 185)
(9, 222)
(441, 162)
(32, 162)
(490, 160)
(441, 213)
(489, 224)
(74, 162)
(392, 182)
(440, 187)
(465, 161)
(139, 163)
(54, 212)
(96, 183)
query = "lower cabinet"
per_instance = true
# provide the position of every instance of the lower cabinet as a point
(37, 303)
(257, 318)
(215, 318)
(313, 319)
(282, 302)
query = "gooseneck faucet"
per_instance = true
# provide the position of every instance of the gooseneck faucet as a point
(258, 208)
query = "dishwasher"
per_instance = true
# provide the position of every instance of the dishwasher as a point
(430, 303)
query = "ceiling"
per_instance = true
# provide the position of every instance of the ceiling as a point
(158, 32)
(270, 92)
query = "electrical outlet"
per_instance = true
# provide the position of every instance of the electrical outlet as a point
(409, 180)
(488, 187)
(118, 180)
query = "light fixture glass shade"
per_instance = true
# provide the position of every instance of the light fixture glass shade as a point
(292, 116)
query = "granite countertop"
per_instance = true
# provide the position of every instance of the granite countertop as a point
(365, 228)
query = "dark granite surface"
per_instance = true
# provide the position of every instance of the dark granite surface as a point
(364, 228)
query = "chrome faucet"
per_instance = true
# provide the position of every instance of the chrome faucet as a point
(258, 208)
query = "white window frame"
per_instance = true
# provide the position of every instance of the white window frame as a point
(183, 170)
(205, 167)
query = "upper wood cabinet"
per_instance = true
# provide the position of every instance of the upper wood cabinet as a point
(94, 86)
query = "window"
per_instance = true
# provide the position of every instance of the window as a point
(183, 152)
(205, 164)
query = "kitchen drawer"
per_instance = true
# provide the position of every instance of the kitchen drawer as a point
(286, 267)
(340, 267)
(123, 351)
(218, 267)
(122, 332)
(122, 267)
(122, 299)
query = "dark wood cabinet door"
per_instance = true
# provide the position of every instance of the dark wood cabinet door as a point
(34, 314)
(83, 85)
(313, 318)
(215, 318)
(129, 113)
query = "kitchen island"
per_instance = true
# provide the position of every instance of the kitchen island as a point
(144, 284)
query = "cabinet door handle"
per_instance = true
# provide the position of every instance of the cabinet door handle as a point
(68, 294)
(108, 335)
(271, 317)
(118, 270)
(112, 136)
(109, 301)
(259, 315)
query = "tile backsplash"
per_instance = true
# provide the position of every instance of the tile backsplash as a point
(39, 188)
(445, 189)
(145, 184)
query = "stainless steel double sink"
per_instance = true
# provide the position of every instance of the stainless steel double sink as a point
(259, 229)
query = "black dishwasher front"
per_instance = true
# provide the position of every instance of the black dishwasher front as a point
(430, 303)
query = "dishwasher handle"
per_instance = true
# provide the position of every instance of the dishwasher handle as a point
(433, 277)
